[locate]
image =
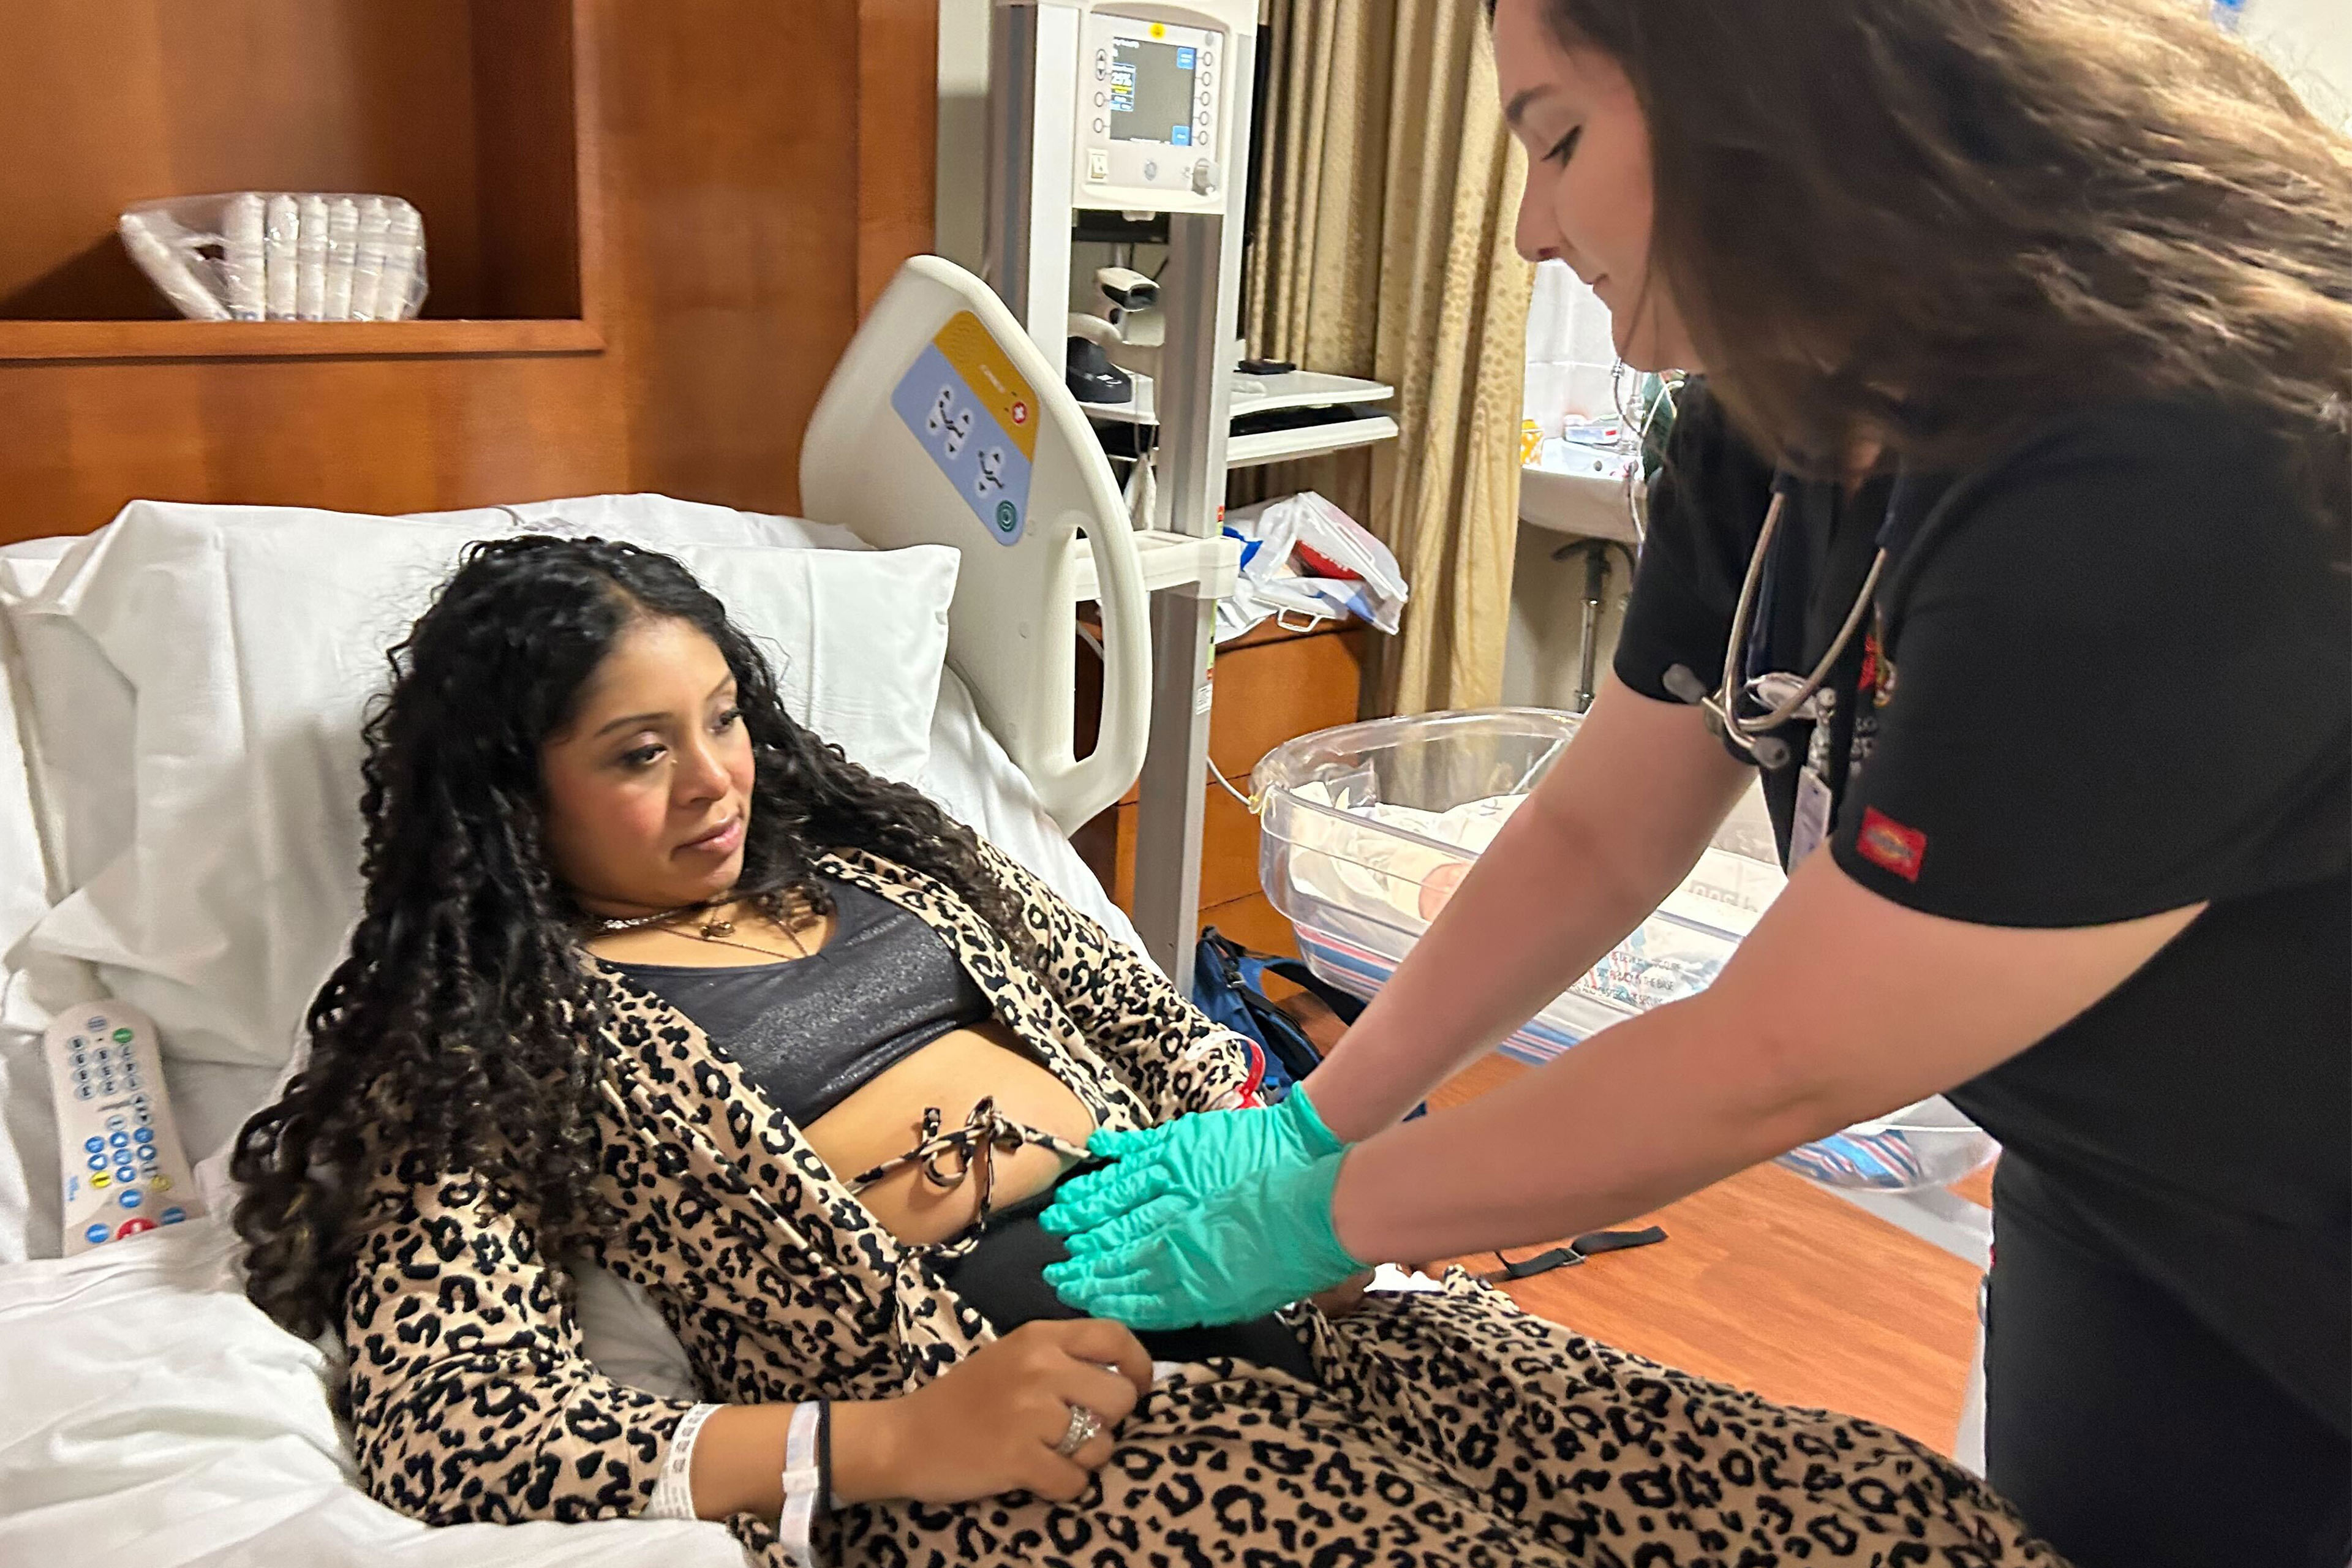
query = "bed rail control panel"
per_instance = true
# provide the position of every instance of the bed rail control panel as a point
(943, 410)
(122, 1167)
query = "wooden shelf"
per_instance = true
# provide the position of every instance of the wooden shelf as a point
(22, 340)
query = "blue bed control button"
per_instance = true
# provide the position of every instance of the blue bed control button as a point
(146, 1153)
(130, 1198)
(98, 1162)
(96, 1233)
(118, 1140)
(143, 1135)
(93, 1144)
(174, 1216)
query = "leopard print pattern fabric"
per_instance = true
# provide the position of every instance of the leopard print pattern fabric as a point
(1453, 1431)
(1441, 1428)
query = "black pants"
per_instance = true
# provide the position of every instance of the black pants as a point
(2129, 1434)
(1003, 1277)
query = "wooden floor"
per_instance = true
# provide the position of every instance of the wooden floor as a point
(1770, 1283)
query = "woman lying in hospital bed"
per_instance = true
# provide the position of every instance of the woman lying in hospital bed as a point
(643, 963)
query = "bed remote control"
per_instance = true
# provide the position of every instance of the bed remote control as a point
(123, 1169)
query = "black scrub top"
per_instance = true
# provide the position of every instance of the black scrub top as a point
(2110, 675)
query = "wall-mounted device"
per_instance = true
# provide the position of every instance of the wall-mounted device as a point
(1140, 107)
(1127, 324)
(1152, 132)
(1109, 106)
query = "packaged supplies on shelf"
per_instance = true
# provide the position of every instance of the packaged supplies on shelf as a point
(253, 256)
(1303, 556)
(1369, 829)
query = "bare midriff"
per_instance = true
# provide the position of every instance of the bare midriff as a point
(885, 1116)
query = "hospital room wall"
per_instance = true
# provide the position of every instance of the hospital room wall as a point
(2311, 40)
(740, 177)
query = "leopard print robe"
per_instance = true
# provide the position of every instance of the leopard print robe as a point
(1443, 1428)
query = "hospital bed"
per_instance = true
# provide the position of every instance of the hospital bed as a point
(178, 829)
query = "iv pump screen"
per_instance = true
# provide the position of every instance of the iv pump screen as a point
(1151, 89)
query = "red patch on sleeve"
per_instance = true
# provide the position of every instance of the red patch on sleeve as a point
(1889, 846)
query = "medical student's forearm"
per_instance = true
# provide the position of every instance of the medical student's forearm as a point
(1513, 938)
(1636, 1117)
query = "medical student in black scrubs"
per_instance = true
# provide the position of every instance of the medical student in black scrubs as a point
(2045, 308)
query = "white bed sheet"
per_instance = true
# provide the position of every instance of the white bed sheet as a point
(151, 1415)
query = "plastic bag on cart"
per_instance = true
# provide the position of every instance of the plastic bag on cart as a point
(1303, 556)
(281, 256)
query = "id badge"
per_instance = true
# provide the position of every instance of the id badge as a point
(1810, 824)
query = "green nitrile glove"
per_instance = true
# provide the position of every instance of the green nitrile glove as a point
(1192, 1158)
(1178, 1264)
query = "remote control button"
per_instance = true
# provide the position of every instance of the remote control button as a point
(118, 1140)
(173, 1215)
(132, 1228)
(128, 1198)
(115, 1123)
(81, 1091)
(93, 1144)
(101, 1181)
(122, 1170)
(162, 1183)
(96, 1233)
(122, 1036)
(98, 1162)
(146, 1153)
(138, 1135)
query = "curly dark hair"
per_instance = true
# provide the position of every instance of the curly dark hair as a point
(462, 1027)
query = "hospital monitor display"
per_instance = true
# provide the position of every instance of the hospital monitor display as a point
(1152, 90)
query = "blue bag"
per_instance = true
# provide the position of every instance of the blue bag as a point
(1229, 985)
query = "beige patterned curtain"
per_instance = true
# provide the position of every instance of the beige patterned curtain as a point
(1387, 194)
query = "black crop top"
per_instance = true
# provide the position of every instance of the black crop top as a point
(813, 1031)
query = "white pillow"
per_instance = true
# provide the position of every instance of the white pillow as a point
(251, 639)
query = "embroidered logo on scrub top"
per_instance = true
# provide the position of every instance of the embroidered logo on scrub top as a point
(1871, 690)
(1889, 846)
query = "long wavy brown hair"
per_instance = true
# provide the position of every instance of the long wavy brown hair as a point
(1930, 224)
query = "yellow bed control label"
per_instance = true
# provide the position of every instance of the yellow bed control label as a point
(977, 418)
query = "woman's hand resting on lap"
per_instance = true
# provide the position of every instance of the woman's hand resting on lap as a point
(991, 1425)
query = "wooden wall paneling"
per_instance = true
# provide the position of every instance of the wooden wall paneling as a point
(114, 101)
(898, 138)
(726, 134)
(1281, 690)
(716, 157)
(526, 138)
(1256, 924)
(382, 436)
(1228, 852)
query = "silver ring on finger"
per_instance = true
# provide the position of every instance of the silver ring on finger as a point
(1083, 1429)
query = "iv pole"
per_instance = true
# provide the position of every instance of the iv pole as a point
(1036, 54)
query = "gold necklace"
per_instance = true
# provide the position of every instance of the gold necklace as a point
(717, 930)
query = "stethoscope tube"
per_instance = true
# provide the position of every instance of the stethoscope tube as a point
(1754, 736)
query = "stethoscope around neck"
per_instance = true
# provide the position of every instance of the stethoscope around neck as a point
(1781, 696)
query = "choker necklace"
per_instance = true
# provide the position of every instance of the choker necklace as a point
(712, 928)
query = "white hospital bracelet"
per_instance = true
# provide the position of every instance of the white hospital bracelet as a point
(805, 1481)
(673, 1489)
